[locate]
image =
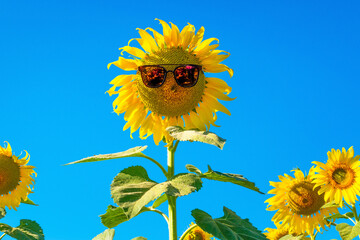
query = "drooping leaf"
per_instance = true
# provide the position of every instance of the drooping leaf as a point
(228, 227)
(192, 168)
(181, 134)
(139, 238)
(27, 230)
(159, 201)
(339, 215)
(2, 212)
(230, 177)
(132, 152)
(28, 201)
(108, 234)
(348, 232)
(132, 189)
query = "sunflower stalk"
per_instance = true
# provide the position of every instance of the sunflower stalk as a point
(171, 199)
(2, 236)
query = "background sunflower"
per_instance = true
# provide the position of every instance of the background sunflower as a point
(339, 177)
(16, 178)
(298, 204)
(154, 109)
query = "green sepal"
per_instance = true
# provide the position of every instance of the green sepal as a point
(181, 134)
(132, 152)
(27, 230)
(335, 216)
(2, 213)
(108, 234)
(139, 238)
(132, 189)
(224, 177)
(330, 205)
(348, 232)
(291, 237)
(159, 201)
(28, 201)
(228, 227)
(192, 168)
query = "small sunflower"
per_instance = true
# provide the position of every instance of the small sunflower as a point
(194, 232)
(340, 177)
(298, 203)
(170, 88)
(279, 232)
(15, 178)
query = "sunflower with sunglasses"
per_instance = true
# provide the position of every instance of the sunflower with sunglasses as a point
(169, 87)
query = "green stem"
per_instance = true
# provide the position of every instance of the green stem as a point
(2, 236)
(159, 212)
(171, 199)
(158, 164)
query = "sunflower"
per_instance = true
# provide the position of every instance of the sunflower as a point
(340, 177)
(15, 178)
(153, 109)
(298, 203)
(194, 232)
(279, 232)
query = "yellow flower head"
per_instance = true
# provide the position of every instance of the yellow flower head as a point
(15, 178)
(169, 87)
(340, 177)
(298, 204)
(279, 232)
(196, 233)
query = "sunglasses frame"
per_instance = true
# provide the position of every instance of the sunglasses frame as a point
(199, 67)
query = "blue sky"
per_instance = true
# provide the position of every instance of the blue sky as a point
(296, 79)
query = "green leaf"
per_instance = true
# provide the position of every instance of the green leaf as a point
(108, 234)
(338, 216)
(113, 216)
(181, 134)
(28, 201)
(348, 232)
(228, 227)
(159, 201)
(2, 213)
(192, 168)
(132, 189)
(139, 238)
(132, 152)
(229, 177)
(27, 230)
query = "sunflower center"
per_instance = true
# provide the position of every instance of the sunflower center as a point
(9, 174)
(170, 99)
(304, 200)
(197, 235)
(343, 177)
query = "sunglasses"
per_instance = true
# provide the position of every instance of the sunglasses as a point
(154, 76)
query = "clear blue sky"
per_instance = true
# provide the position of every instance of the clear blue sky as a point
(296, 79)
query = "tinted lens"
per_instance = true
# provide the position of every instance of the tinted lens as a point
(152, 76)
(187, 76)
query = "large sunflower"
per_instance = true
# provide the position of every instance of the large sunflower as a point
(15, 178)
(153, 109)
(340, 177)
(298, 203)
